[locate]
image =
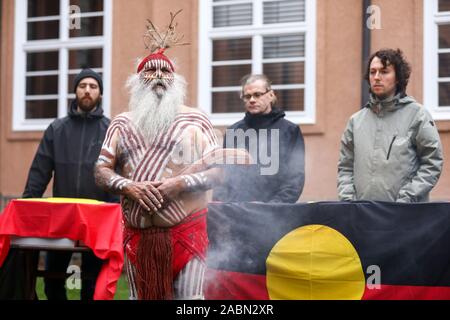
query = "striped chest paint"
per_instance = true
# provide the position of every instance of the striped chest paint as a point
(190, 133)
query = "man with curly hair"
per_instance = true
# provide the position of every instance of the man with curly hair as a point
(390, 149)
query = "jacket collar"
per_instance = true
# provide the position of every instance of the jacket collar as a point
(391, 104)
(263, 120)
(73, 112)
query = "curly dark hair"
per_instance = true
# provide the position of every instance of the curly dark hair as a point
(401, 66)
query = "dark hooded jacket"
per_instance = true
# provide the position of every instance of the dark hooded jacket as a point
(273, 178)
(68, 151)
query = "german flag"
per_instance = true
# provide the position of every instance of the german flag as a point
(329, 250)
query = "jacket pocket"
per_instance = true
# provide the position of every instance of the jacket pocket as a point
(390, 147)
(400, 150)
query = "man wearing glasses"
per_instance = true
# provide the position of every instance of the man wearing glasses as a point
(275, 143)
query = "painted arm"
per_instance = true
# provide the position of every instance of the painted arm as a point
(204, 174)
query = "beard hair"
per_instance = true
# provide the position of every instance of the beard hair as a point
(87, 105)
(153, 109)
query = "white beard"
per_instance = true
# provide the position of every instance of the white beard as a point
(153, 111)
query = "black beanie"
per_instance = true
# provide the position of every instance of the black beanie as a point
(88, 73)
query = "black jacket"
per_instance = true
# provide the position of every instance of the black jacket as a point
(68, 150)
(251, 183)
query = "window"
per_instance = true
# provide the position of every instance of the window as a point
(274, 37)
(437, 58)
(54, 40)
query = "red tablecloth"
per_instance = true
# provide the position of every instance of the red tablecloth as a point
(98, 225)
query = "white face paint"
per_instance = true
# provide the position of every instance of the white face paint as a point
(158, 73)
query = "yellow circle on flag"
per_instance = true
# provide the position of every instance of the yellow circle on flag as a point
(314, 262)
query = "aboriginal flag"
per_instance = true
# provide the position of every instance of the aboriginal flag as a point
(328, 250)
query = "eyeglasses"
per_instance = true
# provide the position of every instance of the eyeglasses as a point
(256, 95)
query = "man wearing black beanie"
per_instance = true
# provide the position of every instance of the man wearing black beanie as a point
(68, 151)
(88, 73)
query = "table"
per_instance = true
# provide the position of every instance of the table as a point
(98, 225)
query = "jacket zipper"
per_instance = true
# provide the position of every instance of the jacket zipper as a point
(80, 158)
(390, 147)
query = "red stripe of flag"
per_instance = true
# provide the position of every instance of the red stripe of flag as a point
(227, 285)
(396, 292)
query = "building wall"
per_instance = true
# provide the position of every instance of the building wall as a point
(338, 74)
(17, 149)
(338, 78)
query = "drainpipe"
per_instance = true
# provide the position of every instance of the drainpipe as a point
(1, 101)
(365, 51)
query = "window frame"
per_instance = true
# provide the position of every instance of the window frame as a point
(62, 44)
(257, 30)
(432, 19)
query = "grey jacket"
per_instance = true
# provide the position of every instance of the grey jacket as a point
(390, 151)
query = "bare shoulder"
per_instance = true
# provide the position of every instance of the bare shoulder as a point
(194, 112)
(186, 109)
(125, 114)
(123, 117)
(197, 116)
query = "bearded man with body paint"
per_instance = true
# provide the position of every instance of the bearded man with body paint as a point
(159, 156)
